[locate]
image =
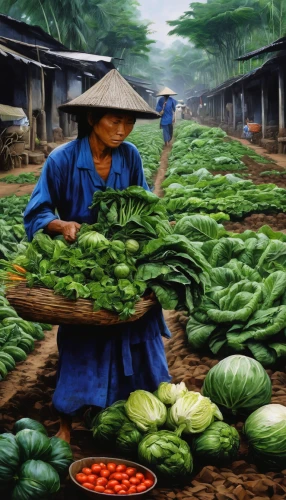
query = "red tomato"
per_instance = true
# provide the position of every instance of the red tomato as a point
(92, 478)
(117, 476)
(95, 468)
(121, 468)
(124, 475)
(105, 473)
(126, 482)
(111, 466)
(141, 488)
(123, 487)
(102, 465)
(101, 481)
(131, 471)
(121, 492)
(99, 489)
(112, 483)
(117, 488)
(88, 486)
(148, 483)
(86, 471)
(110, 492)
(134, 480)
(132, 489)
(81, 478)
(140, 476)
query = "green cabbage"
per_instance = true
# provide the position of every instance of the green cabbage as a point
(9, 457)
(108, 422)
(36, 480)
(238, 384)
(219, 443)
(128, 439)
(145, 410)
(60, 456)
(166, 454)
(265, 430)
(29, 423)
(169, 393)
(33, 444)
(192, 413)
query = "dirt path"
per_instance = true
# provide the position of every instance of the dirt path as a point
(162, 171)
(24, 376)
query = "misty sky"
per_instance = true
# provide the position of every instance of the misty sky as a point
(160, 11)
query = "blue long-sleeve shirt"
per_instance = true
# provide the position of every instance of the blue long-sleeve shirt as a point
(69, 179)
(170, 108)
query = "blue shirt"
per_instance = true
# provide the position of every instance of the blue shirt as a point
(69, 179)
(170, 108)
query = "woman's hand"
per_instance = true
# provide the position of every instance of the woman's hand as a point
(69, 229)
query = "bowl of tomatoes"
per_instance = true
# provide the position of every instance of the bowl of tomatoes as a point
(102, 477)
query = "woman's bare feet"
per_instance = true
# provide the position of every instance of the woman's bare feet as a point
(65, 428)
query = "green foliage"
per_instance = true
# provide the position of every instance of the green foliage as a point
(25, 178)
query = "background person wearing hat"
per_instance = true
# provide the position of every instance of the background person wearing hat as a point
(166, 107)
(97, 365)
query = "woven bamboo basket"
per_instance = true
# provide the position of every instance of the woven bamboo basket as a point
(254, 127)
(42, 305)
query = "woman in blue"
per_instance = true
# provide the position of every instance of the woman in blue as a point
(97, 365)
(166, 107)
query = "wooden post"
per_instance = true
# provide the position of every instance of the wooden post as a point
(222, 106)
(30, 102)
(233, 110)
(264, 105)
(281, 95)
(242, 104)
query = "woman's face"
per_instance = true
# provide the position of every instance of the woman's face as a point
(113, 128)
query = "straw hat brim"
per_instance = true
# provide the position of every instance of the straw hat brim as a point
(166, 91)
(111, 92)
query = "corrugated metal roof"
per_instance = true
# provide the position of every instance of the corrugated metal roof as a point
(80, 56)
(279, 44)
(5, 51)
(8, 113)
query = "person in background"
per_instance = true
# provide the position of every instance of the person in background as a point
(166, 107)
(98, 365)
(246, 132)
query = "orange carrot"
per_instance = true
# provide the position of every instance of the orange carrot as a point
(15, 277)
(19, 269)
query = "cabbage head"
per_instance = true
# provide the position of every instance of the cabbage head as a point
(145, 410)
(219, 443)
(238, 384)
(265, 430)
(169, 393)
(36, 479)
(108, 422)
(166, 454)
(192, 413)
(128, 439)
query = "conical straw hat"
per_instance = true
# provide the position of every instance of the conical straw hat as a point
(166, 91)
(111, 92)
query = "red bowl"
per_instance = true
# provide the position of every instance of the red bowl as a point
(77, 466)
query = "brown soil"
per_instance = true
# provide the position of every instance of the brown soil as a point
(18, 189)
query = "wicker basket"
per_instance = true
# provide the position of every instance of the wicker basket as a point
(42, 305)
(254, 127)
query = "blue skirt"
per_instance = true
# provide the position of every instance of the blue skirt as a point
(100, 365)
